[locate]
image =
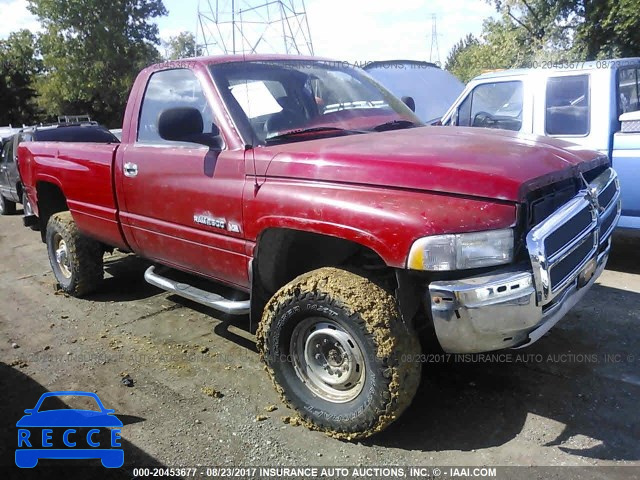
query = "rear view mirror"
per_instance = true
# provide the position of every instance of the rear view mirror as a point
(410, 102)
(185, 124)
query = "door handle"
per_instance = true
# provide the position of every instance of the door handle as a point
(130, 169)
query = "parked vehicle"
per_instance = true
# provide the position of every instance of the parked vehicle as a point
(117, 132)
(8, 177)
(432, 89)
(584, 103)
(307, 188)
(11, 191)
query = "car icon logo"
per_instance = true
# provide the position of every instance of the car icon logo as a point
(77, 433)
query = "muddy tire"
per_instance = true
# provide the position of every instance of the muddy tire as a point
(75, 259)
(7, 207)
(338, 353)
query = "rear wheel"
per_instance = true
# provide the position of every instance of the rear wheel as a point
(7, 207)
(338, 353)
(75, 259)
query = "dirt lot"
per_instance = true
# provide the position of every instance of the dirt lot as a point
(571, 399)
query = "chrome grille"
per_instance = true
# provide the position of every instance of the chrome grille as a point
(607, 195)
(561, 246)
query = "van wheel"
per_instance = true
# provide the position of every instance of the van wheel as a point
(7, 207)
(339, 354)
(75, 259)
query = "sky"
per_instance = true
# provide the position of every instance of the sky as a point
(353, 30)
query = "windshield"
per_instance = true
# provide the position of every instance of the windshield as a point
(269, 98)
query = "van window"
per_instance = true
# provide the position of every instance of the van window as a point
(628, 90)
(493, 105)
(567, 105)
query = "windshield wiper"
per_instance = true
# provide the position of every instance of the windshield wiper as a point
(304, 131)
(395, 125)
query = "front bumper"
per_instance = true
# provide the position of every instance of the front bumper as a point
(499, 311)
(513, 308)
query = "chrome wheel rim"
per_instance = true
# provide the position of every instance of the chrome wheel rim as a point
(327, 359)
(62, 255)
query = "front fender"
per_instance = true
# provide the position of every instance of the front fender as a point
(385, 220)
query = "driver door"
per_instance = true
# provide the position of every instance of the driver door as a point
(181, 203)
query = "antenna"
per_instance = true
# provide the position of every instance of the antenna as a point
(434, 41)
(242, 27)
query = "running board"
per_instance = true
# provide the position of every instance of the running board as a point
(232, 307)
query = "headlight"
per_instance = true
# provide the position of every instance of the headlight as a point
(462, 251)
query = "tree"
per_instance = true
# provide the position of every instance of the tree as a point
(462, 61)
(580, 29)
(92, 51)
(501, 45)
(558, 30)
(608, 29)
(182, 45)
(19, 66)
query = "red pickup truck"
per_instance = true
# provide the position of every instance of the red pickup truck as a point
(345, 226)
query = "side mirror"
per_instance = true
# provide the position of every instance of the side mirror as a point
(185, 124)
(410, 102)
(29, 411)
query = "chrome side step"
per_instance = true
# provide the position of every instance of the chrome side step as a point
(213, 300)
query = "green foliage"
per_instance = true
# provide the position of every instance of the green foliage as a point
(19, 66)
(556, 30)
(609, 29)
(92, 50)
(182, 45)
(463, 59)
(502, 45)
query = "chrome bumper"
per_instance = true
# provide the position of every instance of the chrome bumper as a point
(513, 308)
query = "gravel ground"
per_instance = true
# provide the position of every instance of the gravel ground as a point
(201, 397)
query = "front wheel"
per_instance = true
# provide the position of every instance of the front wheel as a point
(337, 351)
(7, 207)
(75, 259)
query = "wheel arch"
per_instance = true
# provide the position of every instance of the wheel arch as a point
(282, 254)
(51, 200)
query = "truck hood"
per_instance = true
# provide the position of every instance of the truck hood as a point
(477, 162)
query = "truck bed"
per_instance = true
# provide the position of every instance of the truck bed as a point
(84, 174)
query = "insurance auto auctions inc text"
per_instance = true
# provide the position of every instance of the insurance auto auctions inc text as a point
(350, 472)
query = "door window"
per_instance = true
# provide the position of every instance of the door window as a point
(567, 105)
(628, 90)
(170, 89)
(493, 105)
(7, 152)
